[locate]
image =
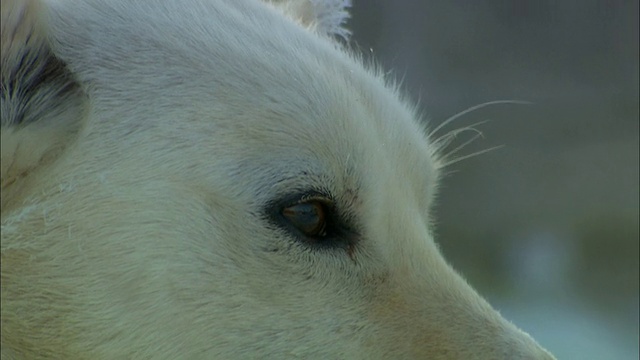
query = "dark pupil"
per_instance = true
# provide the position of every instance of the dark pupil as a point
(307, 217)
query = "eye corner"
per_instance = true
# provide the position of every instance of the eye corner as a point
(313, 218)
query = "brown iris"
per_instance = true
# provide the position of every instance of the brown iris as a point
(308, 217)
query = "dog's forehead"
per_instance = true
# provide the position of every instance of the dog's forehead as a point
(281, 91)
(353, 142)
(326, 113)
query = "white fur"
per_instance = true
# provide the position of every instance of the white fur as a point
(136, 227)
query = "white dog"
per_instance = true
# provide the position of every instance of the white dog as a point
(219, 179)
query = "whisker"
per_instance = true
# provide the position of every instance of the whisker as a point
(464, 144)
(474, 108)
(464, 157)
(443, 141)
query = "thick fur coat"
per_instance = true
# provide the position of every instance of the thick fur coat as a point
(219, 179)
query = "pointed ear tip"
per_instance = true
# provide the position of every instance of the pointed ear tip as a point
(324, 16)
(332, 16)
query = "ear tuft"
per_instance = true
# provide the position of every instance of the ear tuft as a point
(324, 16)
(40, 102)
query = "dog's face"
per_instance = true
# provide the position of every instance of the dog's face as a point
(221, 183)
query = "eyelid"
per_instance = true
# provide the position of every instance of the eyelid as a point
(340, 231)
(302, 197)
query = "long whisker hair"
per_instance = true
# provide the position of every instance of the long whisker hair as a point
(448, 157)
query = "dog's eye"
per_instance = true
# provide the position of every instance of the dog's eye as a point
(308, 217)
(313, 219)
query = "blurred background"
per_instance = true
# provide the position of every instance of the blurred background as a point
(546, 226)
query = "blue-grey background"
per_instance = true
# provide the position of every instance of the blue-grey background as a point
(547, 226)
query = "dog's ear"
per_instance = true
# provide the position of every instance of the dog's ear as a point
(42, 107)
(324, 16)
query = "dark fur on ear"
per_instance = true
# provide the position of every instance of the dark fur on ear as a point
(41, 104)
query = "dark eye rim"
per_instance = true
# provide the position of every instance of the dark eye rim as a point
(337, 233)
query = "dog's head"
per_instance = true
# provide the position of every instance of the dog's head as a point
(219, 179)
